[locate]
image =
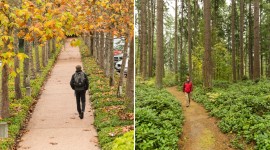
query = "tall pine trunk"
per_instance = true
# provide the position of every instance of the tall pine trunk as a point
(233, 41)
(250, 42)
(256, 73)
(241, 39)
(152, 28)
(189, 41)
(175, 44)
(181, 41)
(160, 54)
(143, 40)
(207, 68)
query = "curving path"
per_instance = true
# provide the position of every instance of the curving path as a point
(55, 124)
(200, 132)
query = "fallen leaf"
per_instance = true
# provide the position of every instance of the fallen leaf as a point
(53, 143)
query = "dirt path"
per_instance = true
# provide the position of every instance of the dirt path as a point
(200, 132)
(55, 124)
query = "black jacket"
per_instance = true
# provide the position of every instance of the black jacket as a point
(72, 83)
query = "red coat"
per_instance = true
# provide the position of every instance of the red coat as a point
(187, 87)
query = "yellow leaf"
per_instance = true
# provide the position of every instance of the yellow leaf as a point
(13, 74)
(10, 46)
(18, 70)
(7, 55)
(22, 56)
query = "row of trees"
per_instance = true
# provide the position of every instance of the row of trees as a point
(206, 39)
(117, 23)
(45, 24)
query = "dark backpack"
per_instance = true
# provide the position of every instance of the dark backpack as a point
(79, 79)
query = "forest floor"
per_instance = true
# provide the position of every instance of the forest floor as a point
(200, 131)
(55, 124)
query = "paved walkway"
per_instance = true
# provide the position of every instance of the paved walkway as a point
(55, 124)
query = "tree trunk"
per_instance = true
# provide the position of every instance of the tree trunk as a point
(195, 37)
(160, 54)
(111, 61)
(49, 49)
(97, 48)
(107, 64)
(44, 55)
(189, 40)
(124, 60)
(152, 29)
(241, 39)
(261, 63)
(256, 73)
(94, 45)
(33, 71)
(175, 44)
(91, 44)
(37, 55)
(26, 62)
(143, 40)
(47, 52)
(4, 108)
(149, 45)
(130, 75)
(250, 39)
(181, 40)
(101, 47)
(268, 66)
(207, 69)
(17, 79)
(5, 93)
(233, 41)
(53, 45)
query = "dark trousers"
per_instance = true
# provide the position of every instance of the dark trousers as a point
(80, 97)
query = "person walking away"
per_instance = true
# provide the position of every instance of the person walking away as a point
(187, 89)
(79, 82)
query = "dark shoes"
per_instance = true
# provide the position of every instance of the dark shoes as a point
(81, 115)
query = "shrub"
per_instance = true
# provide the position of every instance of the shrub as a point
(158, 118)
(243, 108)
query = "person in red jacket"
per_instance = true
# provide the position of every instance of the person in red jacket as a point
(187, 89)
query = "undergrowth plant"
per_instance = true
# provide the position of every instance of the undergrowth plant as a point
(243, 108)
(159, 118)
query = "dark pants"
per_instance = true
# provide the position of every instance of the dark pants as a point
(80, 97)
